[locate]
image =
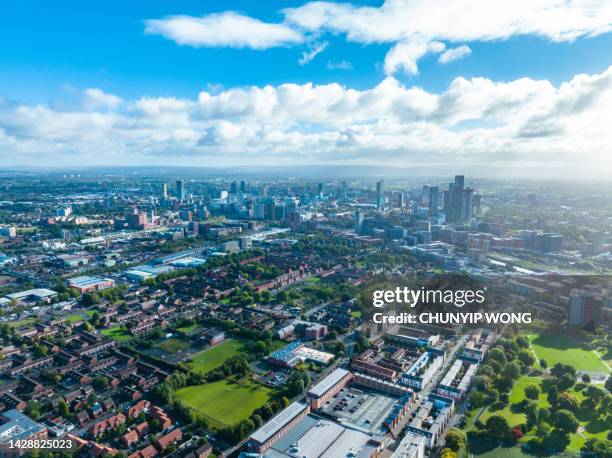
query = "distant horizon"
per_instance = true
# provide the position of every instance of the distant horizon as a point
(329, 171)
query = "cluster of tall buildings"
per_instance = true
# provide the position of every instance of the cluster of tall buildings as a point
(458, 201)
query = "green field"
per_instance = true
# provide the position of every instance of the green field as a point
(22, 323)
(74, 318)
(516, 396)
(117, 334)
(173, 345)
(225, 401)
(211, 358)
(566, 350)
(593, 427)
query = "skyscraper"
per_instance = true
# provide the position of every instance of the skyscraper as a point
(165, 191)
(180, 190)
(358, 220)
(433, 200)
(458, 201)
(380, 195)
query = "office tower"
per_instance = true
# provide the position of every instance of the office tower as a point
(585, 309)
(243, 186)
(433, 201)
(458, 201)
(320, 189)
(234, 188)
(165, 191)
(477, 203)
(358, 220)
(379, 194)
(400, 200)
(548, 242)
(425, 194)
(467, 204)
(180, 190)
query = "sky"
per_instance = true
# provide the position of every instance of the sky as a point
(465, 83)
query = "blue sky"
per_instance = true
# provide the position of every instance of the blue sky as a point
(123, 67)
(102, 44)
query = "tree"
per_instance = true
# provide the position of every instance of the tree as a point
(89, 299)
(595, 393)
(33, 409)
(526, 358)
(477, 398)
(447, 453)
(609, 384)
(543, 364)
(586, 378)
(498, 427)
(512, 370)
(553, 395)
(598, 447)
(496, 354)
(566, 381)
(62, 408)
(522, 342)
(532, 392)
(99, 382)
(566, 421)
(455, 439)
(567, 401)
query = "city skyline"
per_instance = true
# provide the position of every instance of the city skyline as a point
(310, 83)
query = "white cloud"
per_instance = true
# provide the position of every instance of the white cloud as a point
(411, 23)
(307, 56)
(226, 29)
(451, 55)
(456, 20)
(473, 121)
(96, 98)
(404, 55)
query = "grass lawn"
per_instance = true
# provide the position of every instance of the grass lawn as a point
(74, 318)
(566, 350)
(593, 427)
(187, 329)
(225, 401)
(22, 323)
(211, 358)
(173, 345)
(117, 334)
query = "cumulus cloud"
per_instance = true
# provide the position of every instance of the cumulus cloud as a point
(226, 29)
(404, 55)
(451, 55)
(95, 98)
(456, 20)
(413, 27)
(316, 49)
(472, 121)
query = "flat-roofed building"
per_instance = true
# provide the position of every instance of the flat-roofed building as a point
(326, 388)
(411, 446)
(86, 284)
(274, 429)
(18, 427)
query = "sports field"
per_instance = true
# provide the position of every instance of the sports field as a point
(173, 346)
(211, 358)
(225, 401)
(566, 350)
